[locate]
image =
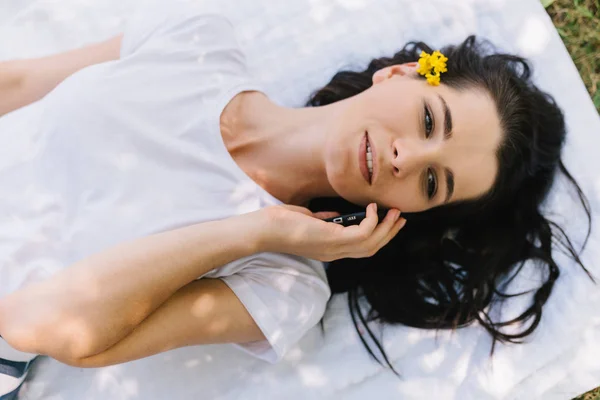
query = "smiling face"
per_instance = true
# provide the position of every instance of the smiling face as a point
(431, 145)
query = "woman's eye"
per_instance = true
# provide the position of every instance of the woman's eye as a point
(428, 123)
(431, 184)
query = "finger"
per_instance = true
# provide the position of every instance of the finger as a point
(383, 231)
(380, 236)
(359, 233)
(370, 245)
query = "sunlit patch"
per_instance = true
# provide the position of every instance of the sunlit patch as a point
(433, 360)
(312, 376)
(294, 354)
(244, 195)
(218, 79)
(220, 325)
(129, 387)
(304, 314)
(192, 363)
(203, 305)
(461, 367)
(503, 377)
(285, 282)
(413, 337)
(107, 377)
(320, 10)
(534, 37)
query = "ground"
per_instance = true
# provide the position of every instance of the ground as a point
(578, 23)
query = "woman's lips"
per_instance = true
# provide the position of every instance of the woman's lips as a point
(362, 159)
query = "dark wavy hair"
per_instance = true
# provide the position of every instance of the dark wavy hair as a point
(444, 269)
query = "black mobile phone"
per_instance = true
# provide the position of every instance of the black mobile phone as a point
(356, 218)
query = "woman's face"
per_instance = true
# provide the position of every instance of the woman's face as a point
(431, 145)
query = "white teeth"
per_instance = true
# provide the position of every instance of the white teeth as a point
(369, 160)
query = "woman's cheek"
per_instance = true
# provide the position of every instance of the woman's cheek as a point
(404, 199)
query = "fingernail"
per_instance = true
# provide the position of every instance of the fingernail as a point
(375, 207)
(397, 216)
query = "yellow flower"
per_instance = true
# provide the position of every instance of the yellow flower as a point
(433, 79)
(440, 56)
(424, 65)
(438, 61)
(431, 66)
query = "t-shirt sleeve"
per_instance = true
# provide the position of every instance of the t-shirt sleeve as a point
(284, 296)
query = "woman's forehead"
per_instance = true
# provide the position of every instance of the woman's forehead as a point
(475, 138)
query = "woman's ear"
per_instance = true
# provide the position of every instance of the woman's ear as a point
(396, 69)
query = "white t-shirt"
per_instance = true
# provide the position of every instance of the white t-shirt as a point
(132, 147)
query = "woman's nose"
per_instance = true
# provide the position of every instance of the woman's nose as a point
(410, 155)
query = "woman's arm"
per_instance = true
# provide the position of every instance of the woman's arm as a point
(12, 78)
(23, 82)
(90, 306)
(136, 299)
(205, 311)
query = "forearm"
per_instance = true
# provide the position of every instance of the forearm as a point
(26, 81)
(94, 303)
(12, 78)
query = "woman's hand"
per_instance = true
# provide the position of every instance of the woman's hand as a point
(296, 230)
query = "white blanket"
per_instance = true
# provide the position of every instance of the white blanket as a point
(295, 47)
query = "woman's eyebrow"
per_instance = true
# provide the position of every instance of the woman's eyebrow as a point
(447, 135)
(449, 184)
(447, 119)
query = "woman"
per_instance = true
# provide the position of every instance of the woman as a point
(471, 159)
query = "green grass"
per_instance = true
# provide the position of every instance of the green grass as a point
(578, 23)
(591, 395)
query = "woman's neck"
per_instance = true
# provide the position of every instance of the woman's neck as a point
(281, 149)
